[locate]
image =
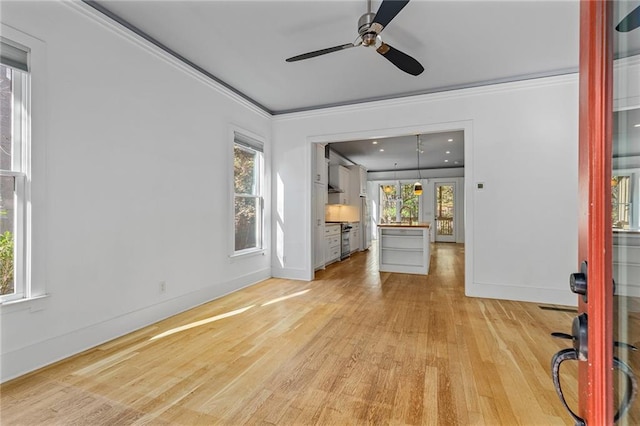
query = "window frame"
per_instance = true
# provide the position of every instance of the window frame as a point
(30, 261)
(20, 136)
(634, 194)
(248, 142)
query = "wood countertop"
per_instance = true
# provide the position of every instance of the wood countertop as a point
(405, 225)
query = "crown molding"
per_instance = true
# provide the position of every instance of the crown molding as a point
(439, 96)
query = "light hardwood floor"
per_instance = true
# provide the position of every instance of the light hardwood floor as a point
(355, 346)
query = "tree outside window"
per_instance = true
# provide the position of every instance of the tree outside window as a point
(391, 203)
(7, 182)
(247, 176)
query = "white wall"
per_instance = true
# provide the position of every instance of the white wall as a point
(133, 189)
(520, 140)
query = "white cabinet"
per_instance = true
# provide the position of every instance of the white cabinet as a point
(339, 176)
(319, 200)
(404, 249)
(358, 183)
(363, 181)
(354, 238)
(339, 180)
(332, 242)
(339, 198)
(320, 170)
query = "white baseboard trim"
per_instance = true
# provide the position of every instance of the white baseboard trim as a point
(292, 274)
(522, 294)
(29, 358)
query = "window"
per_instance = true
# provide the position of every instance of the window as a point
(14, 140)
(248, 198)
(621, 194)
(398, 208)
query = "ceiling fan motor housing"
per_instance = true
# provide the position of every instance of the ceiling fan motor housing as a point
(364, 25)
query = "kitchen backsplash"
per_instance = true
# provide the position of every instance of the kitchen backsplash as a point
(341, 213)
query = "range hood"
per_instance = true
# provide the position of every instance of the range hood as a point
(338, 179)
(334, 190)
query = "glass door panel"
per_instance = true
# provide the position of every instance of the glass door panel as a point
(625, 203)
(625, 197)
(445, 212)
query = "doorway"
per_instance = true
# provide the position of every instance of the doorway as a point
(444, 210)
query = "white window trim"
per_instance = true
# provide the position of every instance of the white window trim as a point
(20, 136)
(32, 274)
(260, 144)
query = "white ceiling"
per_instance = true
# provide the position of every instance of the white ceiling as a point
(460, 43)
(243, 44)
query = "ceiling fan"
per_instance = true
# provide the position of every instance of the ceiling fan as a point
(370, 25)
(630, 22)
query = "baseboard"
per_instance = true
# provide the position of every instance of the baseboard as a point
(292, 274)
(35, 356)
(522, 294)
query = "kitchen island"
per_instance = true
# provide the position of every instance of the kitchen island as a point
(404, 247)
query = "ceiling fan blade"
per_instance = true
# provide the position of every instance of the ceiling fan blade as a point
(386, 12)
(401, 60)
(630, 22)
(320, 52)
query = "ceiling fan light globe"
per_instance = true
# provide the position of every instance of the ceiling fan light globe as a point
(369, 39)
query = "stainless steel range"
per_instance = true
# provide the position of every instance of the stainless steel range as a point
(345, 251)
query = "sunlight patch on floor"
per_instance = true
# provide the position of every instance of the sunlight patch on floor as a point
(201, 322)
(280, 299)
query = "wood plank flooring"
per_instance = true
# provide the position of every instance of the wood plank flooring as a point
(355, 346)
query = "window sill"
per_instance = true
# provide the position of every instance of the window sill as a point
(245, 254)
(31, 304)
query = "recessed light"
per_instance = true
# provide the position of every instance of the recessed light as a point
(450, 140)
(446, 161)
(381, 149)
(636, 125)
(456, 162)
(448, 152)
(375, 142)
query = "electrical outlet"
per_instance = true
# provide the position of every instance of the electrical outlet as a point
(162, 286)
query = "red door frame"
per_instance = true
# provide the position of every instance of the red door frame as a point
(595, 234)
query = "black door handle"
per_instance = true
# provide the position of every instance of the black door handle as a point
(559, 358)
(631, 390)
(577, 352)
(578, 337)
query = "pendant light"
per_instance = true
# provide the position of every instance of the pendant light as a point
(388, 189)
(417, 187)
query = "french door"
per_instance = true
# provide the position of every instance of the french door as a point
(625, 212)
(445, 197)
(607, 326)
